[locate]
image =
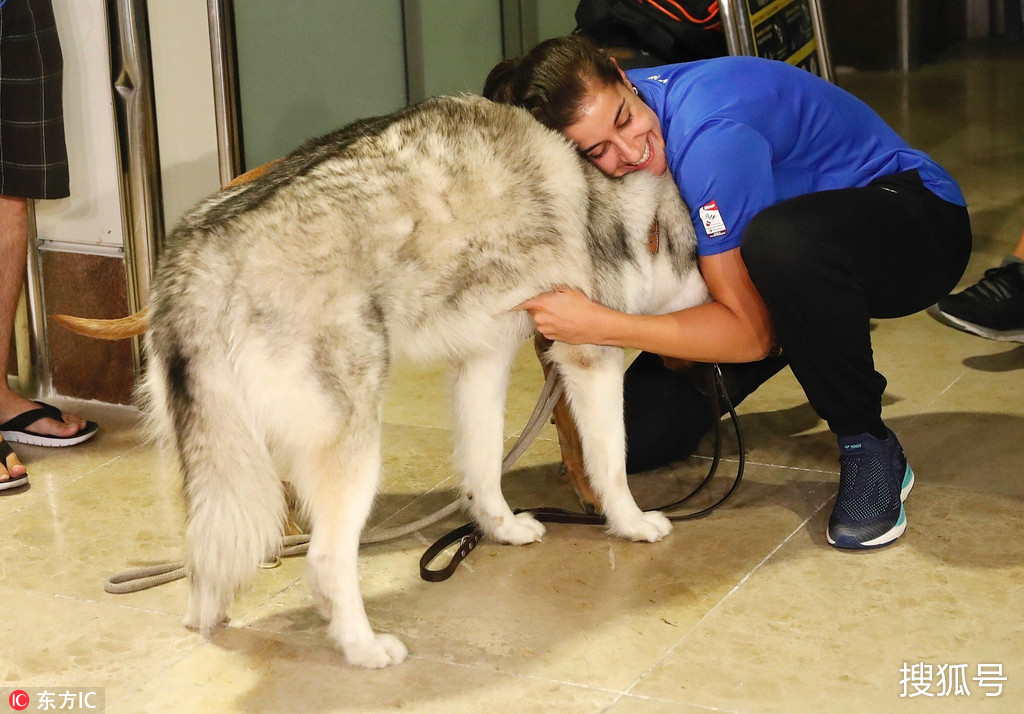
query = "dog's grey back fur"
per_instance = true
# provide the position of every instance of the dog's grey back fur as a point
(279, 304)
(477, 196)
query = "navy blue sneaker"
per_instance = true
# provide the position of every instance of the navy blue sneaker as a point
(874, 480)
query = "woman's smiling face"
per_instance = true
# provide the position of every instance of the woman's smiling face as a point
(618, 132)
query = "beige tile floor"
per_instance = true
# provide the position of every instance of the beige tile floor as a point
(746, 611)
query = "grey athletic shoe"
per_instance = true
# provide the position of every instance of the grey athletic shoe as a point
(993, 307)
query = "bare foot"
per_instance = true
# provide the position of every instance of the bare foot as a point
(10, 467)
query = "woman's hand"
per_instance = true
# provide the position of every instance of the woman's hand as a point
(567, 315)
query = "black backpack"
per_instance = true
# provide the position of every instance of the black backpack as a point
(666, 30)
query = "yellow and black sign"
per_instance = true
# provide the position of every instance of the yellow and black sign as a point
(787, 30)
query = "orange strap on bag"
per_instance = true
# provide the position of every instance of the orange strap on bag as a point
(708, 23)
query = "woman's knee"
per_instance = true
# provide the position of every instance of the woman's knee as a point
(665, 415)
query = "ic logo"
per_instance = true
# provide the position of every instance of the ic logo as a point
(18, 700)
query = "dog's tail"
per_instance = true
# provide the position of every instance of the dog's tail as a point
(235, 504)
(236, 516)
(117, 329)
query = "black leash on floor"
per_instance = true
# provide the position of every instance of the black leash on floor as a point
(468, 536)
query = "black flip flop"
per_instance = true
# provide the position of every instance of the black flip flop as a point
(15, 430)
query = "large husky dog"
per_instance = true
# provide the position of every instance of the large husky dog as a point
(279, 305)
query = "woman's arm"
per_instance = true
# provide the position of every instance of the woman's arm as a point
(736, 327)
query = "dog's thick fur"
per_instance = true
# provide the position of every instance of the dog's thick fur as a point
(279, 305)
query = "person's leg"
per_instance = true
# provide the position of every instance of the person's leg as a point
(827, 263)
(13, 261)
(33, 164)
(667, 413)
(13, 255)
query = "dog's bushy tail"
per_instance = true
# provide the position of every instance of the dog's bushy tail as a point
(235, 500)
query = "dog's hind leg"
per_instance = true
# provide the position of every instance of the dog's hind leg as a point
(327, 421)
(479, 389)
(593, 385)
(338, 485)
(327, 416)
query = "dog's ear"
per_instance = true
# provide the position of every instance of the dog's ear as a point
(117, 329)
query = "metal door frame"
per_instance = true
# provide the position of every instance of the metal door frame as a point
(138, 155)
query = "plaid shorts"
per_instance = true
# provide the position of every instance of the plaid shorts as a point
(33, 155)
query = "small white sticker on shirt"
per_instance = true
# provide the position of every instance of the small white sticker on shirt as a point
(711, 217)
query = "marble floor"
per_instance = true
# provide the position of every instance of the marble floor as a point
(749, 610)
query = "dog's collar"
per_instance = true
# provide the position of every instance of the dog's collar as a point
(654, 238)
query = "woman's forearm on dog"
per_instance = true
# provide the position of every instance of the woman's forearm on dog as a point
(736, 327)
(706, 333)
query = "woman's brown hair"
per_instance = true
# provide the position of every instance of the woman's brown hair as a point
(551, 80)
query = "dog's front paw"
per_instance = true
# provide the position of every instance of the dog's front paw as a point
(375, 653)
(519, 530)
(650, 526)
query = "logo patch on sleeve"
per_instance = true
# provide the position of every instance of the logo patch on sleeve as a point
(711, 217)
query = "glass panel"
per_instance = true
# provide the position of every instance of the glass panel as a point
(461, 42)
(555, 18)
(307, 67)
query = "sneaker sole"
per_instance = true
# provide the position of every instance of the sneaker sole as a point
(986, 332)
(885, 539)
(890, 535)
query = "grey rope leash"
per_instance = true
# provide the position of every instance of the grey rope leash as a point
(149, 576)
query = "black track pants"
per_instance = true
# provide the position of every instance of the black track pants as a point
(825, 264)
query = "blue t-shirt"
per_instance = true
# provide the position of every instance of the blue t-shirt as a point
(743, 133)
